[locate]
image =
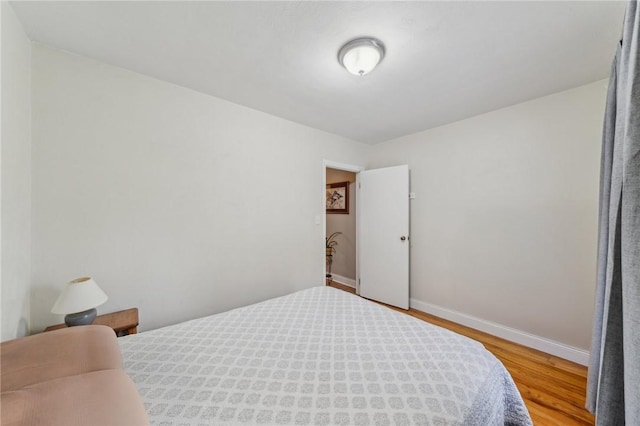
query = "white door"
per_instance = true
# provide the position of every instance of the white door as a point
(383, 229)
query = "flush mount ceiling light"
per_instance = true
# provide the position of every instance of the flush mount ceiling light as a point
(362, 55)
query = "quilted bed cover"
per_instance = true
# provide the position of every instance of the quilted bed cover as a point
(318, 357)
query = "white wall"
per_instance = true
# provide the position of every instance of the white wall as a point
(16, 176)
(504, 224)
(176, 202)
(183, 204)
(344, 259)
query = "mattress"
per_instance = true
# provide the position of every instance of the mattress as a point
(318, 357)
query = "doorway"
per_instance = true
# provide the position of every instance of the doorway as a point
(340, 225)
(378, 203)
(344, 261)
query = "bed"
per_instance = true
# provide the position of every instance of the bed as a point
(318, 357)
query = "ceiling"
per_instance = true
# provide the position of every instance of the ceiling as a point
(445, 61)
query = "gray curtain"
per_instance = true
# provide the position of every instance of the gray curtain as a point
(613, 391)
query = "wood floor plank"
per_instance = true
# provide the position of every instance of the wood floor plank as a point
(568, 380)
(554, 403)
(553, 388)
(544, 416)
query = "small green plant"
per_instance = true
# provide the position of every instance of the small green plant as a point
(332, 243)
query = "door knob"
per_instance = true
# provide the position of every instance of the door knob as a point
(403, 238)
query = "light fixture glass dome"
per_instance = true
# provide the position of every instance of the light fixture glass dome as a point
(361, 56)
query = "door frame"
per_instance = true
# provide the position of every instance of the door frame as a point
(354, 168)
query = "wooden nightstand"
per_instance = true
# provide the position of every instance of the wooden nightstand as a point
(123, 322)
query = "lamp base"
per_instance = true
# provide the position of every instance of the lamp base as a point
(81, 318)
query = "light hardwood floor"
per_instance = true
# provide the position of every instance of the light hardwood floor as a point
(553, 389)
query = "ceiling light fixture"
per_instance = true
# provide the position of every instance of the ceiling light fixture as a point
(362, 55)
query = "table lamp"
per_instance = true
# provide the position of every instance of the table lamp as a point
(78, 301)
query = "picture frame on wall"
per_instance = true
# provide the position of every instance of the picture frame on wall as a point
(338, 198)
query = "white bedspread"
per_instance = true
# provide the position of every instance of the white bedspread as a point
(318, 357)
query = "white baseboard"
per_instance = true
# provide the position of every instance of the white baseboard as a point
(344, 280)
(552, 347)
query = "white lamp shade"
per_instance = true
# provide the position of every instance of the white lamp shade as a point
(361, 56)
(79, 295)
